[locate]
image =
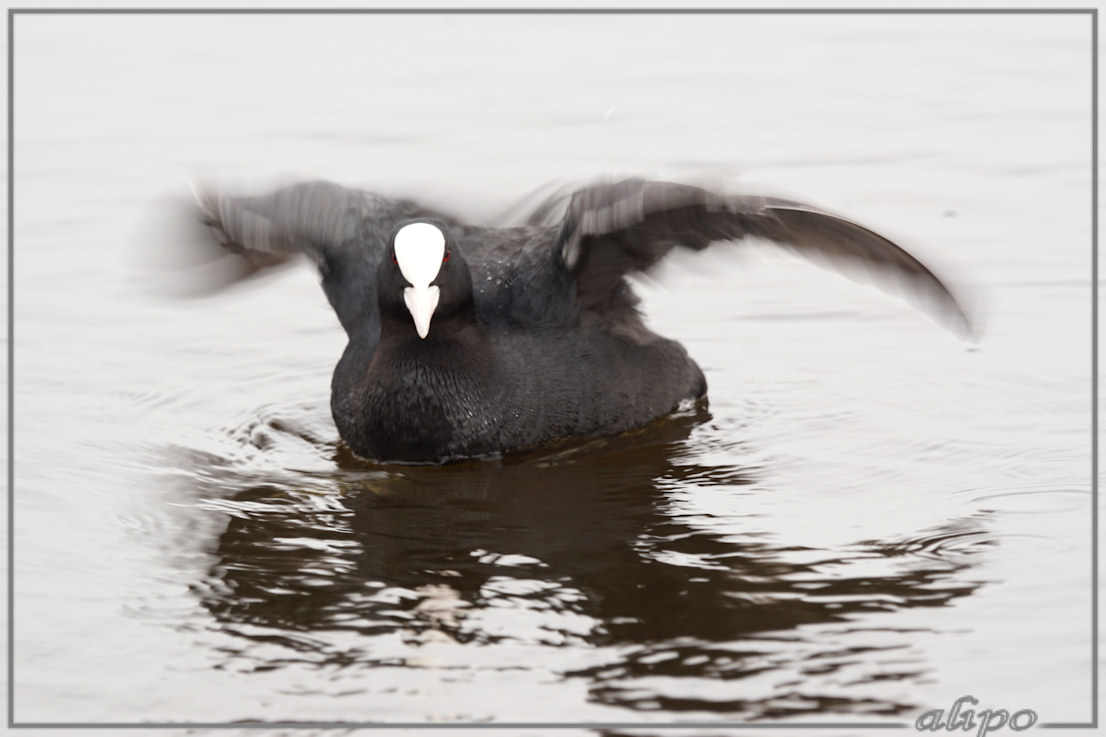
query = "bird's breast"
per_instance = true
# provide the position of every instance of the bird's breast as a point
(424, 408)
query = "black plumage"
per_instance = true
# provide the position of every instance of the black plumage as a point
(536, 335)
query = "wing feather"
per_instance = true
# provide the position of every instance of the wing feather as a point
(611, 230)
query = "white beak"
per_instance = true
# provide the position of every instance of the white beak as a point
(421, 302)
(420, 251)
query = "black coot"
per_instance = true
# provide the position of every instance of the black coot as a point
(468, 340)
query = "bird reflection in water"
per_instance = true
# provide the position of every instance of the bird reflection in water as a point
(577, 547)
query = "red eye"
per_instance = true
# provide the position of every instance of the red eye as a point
(394, 259)
(445, 257)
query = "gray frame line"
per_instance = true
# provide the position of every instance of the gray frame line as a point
(463, 725)
(1094, 367)
(11, 368)
(552, 11)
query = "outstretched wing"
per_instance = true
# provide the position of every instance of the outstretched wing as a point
(312, 218)
(344, 231)
(610, 230)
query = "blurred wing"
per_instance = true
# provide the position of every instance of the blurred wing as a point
(344, 231)
(312, 218)
(614, 229)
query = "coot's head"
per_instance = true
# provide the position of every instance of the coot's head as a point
(425, 277)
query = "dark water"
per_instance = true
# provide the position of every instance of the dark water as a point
(581, 549)
(868, 519)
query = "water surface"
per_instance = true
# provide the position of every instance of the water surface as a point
(870, 518)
